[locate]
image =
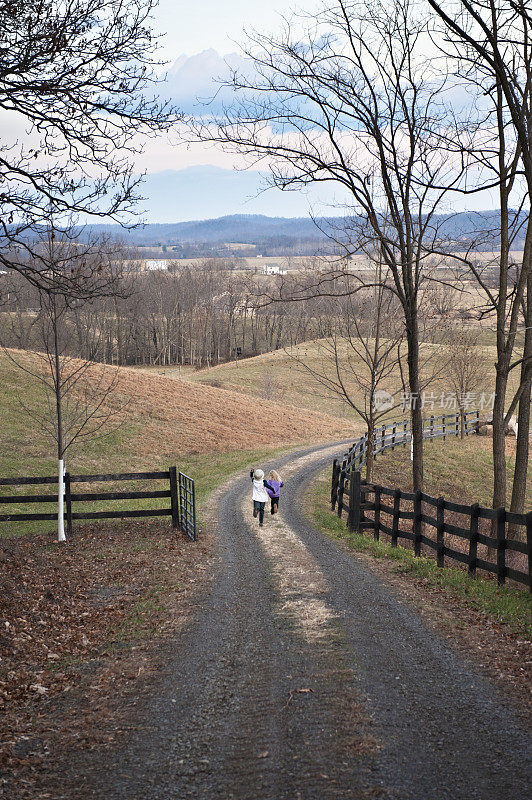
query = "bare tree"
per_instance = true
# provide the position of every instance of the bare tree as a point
(491, 44)
(467, 368)
(359, 360)
(78, 73)
(351, 102)
(76, 394)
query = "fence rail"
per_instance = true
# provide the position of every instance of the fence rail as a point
(399, 434)
(181, 494)
(426, 514)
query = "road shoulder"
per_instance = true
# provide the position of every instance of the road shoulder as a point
(501, 651)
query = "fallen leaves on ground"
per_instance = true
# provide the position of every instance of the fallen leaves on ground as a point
(80, 623)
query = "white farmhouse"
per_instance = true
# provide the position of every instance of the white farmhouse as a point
(273, 268)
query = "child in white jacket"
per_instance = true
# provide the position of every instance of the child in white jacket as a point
(260, 495)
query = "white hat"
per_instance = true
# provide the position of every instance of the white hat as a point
(258, 474)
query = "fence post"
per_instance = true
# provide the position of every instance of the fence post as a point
(394, 429)
(334, 484)
(432, 427)
(440, 532)
(353, 517)
(341, 489)
(529, 547)
(68, 501)
(395, 520)
(383, 440)
(457, 425)
(417, 523)
(363, 498)
(473, 540)
(377, 518)
(501, 546)
(174, 502)
(405, 432)
(443, 427)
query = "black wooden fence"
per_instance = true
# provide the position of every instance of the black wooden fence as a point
(416, 508)
(181, 494)
(399, 434)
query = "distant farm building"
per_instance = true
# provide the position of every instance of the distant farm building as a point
(156, 263)
(273, 268)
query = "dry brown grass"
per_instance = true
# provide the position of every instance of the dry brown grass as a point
(458, 469)
(278, 377)
(185, 417)
(177, 417)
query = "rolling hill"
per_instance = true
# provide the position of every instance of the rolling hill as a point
(158, 421)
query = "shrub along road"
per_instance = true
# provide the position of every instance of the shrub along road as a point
(302, 678)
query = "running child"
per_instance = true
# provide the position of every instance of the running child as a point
(260, 494)
(274, 490)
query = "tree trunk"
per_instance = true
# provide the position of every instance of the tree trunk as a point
(504, 343)
(59, 415)
(61, 501)
(119, 336)
(416, 416)
(371, 446)
(521, 453)
(523, 417)
(499, 439)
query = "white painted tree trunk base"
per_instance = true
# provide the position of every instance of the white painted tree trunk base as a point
(61, 502)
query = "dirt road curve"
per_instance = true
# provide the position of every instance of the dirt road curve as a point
(302, 678)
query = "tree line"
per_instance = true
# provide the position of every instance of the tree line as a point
(196, 315)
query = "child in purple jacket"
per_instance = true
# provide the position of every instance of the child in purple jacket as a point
(274, 489)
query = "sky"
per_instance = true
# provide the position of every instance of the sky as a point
(190, 27)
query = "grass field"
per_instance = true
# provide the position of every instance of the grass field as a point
(278, 377)
(213, 422)
(258, 262)
(459, 470)
(207, 432)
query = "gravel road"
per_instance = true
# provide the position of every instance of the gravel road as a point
(303, 678)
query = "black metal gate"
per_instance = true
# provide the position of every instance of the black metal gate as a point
(187, 505)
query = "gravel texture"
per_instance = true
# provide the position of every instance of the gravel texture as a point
(303, 678)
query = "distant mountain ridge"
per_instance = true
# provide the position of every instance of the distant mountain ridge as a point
(288, 233)
(243, 228)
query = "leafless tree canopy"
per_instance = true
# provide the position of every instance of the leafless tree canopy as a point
(490, 43)
(77, 75)
(74, 403)
(354, 101)
(197, 315)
